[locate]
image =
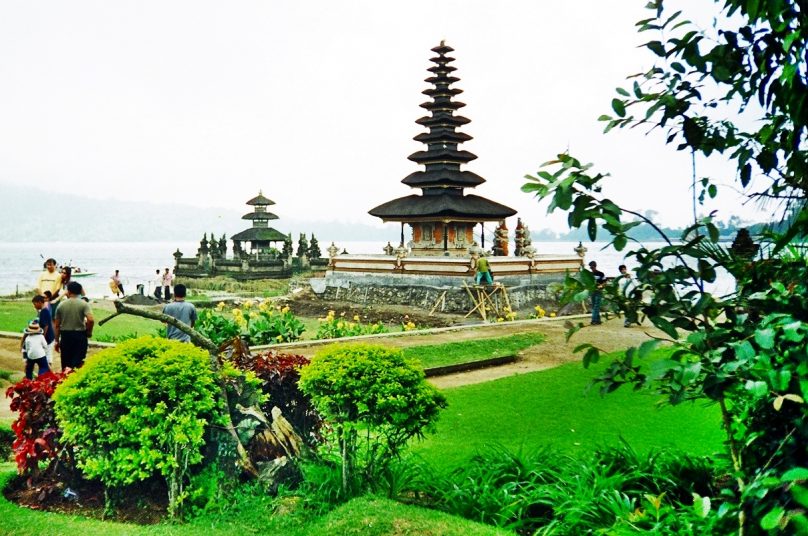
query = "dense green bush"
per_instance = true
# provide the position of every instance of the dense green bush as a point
(375, 399)
(7, 437)
(139, 410)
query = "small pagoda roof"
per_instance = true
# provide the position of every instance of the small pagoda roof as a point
(442, 48)
(260, 200)
(259, 216)
(442, 104)
(442, 206)
(259, 234)
(443, 177)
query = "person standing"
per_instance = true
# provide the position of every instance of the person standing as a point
(45, 323)
(49, 280)
(483, 270)
(597, 295)
(73, 326)
(116, 278)
(167, 280)
(181, 310)
(35, 350)
(626, 287)
(158, 285)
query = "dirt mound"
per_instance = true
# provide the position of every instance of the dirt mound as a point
(302, 305)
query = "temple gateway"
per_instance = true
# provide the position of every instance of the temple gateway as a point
(442, 219)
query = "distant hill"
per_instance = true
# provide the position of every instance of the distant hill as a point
(80, 219)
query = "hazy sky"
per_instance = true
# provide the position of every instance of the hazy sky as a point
(314, 102)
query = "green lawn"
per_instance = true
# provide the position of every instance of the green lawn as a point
(15, 315)
(363, 516)
(439, 355)
(551, 408)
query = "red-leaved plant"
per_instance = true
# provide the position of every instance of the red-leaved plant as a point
(279, 374)
(36, 428)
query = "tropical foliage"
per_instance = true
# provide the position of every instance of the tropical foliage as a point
(744, 350)
(257, 322)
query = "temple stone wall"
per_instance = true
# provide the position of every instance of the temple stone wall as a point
(425, 291)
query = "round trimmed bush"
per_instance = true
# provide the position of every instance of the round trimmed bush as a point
(138, 410)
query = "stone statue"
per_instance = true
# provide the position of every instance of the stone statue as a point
(519, 238)
(388, 249)
(500, 248)
(580, 250)
(214, 246)
(223, 246)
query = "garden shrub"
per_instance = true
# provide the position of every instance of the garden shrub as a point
(258, 323)
(37, 434)
(139, 410)
(279, 375)
(332, 327)
(7, 437)
(375, 399)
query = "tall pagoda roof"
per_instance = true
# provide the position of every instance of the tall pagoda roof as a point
(260, 200)
(447, 206)
(442, 182)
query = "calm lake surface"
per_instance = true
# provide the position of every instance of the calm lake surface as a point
(20, 263)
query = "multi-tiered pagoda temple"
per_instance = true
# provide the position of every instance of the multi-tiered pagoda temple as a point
(259, 238)
(443, 218)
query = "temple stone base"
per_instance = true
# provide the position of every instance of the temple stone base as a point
(361, 280)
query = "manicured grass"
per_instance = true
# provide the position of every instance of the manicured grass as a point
(439, 355)
(15, 315)
(365, 516)
(551, 408)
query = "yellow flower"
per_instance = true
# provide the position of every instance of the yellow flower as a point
(262, 306)
(220, 306)
(552, 315)
(279, 338)
(500, 319)
(356, 318)
(248, 304)
(254, 314)
(237, 312)
(285, 309)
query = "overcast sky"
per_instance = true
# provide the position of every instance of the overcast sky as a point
(314, 102)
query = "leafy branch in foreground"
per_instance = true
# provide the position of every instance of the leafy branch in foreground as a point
(739, 88)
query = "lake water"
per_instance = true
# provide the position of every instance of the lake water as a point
(20, 263)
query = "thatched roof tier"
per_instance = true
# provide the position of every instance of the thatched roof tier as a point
(443, 206)
(259, 216)
(259, 234)
(260, 200)
(442, 156)
(442, 119)
(443, 177)
(442, 135)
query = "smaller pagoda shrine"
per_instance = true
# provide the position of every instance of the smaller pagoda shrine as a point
(259, 252)
(443, 218)
(259, 239)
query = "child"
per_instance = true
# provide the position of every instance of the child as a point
(45, 322)
(35, 350)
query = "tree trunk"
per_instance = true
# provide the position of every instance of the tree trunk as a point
(203, 342)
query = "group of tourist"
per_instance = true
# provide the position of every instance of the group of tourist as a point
(162, 284)
(64, 321)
